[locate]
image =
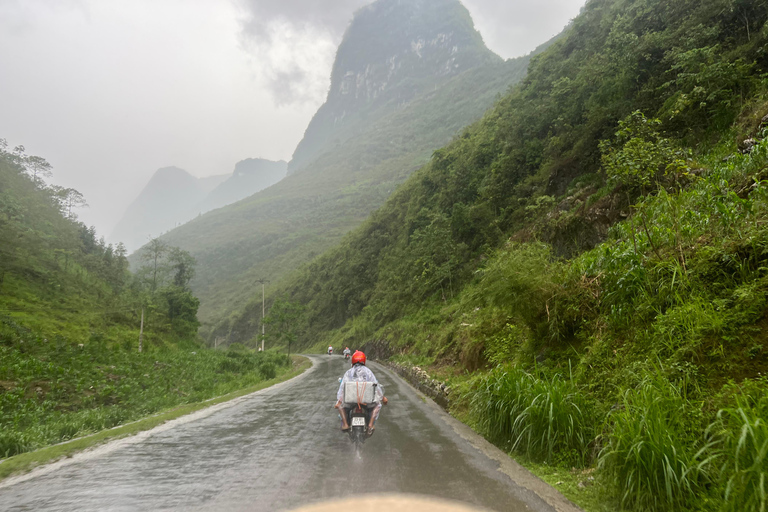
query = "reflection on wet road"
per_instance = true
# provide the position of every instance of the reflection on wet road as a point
(278, 449)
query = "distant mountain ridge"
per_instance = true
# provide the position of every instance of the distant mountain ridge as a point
(250, 176)
(173, 196)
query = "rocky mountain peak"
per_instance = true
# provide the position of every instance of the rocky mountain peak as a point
(392, 51)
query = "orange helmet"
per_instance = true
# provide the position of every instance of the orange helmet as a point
(358, 357)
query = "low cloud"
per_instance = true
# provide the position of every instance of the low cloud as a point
(516, 27)
(293, 44)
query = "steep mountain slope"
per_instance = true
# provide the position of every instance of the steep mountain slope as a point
(379, 139)
(536, 148)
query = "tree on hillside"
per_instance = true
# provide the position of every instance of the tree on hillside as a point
(639, 157)
(286, 318)
(39, 168)
(68, 199)
(153, 254)
(182, 267)
(166, 274)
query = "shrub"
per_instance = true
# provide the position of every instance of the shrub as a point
(546, 419)
(519, 278)
(268, 370)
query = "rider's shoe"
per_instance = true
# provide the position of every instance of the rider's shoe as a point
(370, 430)
(345, 430)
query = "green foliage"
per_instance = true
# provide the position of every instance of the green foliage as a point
(650, 453)
(521, 278)
(165, 277)
(54, 390)
(709, 86)
(545, 419)
(69, 322)
(640, 157)
(741, 436)
(285, 319)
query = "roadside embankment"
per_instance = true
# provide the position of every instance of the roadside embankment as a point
(421, 380)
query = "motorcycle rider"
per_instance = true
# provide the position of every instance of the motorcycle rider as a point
(359, 373)
(330, 350)
(346, 352)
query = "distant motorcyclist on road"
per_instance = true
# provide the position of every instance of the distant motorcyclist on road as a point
(347, 353)
(330, 350)
(359, 373)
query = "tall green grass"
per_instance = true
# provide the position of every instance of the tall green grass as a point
(741, 434)
(652, 455)
(547, 419)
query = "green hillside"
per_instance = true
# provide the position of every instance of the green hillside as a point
(585, 266)
(385, 126)
(70, 317)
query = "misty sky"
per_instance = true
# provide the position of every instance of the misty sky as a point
(108, 91)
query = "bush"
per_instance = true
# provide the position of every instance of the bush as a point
(545, 419)
(649, 455)
(268, 370)
(520, 278)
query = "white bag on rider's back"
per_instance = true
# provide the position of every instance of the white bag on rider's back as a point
(362, 392)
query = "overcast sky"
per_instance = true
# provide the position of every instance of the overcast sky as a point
(108, 91)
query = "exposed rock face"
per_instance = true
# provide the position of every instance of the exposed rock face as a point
(392, 51)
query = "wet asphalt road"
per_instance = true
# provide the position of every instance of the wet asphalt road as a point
(276, 450)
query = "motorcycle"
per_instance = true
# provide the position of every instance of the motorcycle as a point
(330, 351)
(358, 407)
(358, 418)
(347, 356)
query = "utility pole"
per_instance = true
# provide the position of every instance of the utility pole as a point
(141, 329)
(263, 310)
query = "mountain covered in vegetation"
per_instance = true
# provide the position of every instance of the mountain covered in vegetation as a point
(586, 265)
(173, 196)
(407, 77)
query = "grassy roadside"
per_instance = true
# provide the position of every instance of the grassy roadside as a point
(578, 485)
(574, 484)
(27, 461)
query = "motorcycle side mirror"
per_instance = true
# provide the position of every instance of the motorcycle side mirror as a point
(339, 380)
